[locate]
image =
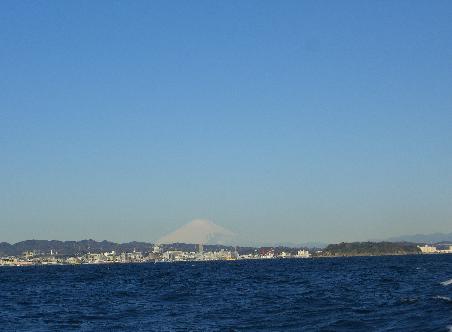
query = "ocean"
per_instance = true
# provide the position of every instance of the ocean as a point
(392, 293)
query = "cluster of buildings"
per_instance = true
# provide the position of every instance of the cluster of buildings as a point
(156, 255)
(430, 249)
(32, 258)
(222, 254)
(269, 253)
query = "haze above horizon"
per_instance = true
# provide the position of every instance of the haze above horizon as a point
(293, 121)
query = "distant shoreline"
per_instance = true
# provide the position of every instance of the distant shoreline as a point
(37, 252)
(219, 260)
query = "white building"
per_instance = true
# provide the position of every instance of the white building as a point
(156, 249)
(173, 255)
(303, 254)
(426, 249)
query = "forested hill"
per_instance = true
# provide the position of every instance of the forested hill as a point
(70, 247)
(370, 248)
(73, 248)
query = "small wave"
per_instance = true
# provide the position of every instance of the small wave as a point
(447, 282)
(408, 300)
(445, 298)
(449, 328)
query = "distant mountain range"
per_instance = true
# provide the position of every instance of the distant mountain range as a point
(423, 238)
(210, 232)
(78, 248)
(70, 247)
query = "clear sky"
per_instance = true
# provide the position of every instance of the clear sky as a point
(284, 121)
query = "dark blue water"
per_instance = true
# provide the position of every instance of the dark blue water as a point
(402, 293)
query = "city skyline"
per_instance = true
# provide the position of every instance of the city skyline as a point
(309, 121)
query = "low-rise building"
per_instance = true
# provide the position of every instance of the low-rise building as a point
(173, 255)
(303, 254)
(426, 249)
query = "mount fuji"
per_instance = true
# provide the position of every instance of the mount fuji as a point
(199, 231)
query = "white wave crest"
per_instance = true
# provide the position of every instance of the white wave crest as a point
(445, 298)
(447, 282)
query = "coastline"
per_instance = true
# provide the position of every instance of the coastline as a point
(29, 264)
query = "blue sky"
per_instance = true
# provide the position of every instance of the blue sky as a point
(288, 121)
